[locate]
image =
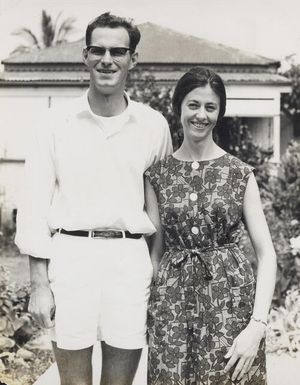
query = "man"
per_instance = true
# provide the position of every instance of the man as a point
(82, 219)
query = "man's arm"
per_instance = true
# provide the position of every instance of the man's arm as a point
(33, 235)
(155, 243)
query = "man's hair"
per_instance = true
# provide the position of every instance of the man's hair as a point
(112, 21)
(199, 77)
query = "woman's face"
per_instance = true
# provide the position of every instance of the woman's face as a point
(199, 113)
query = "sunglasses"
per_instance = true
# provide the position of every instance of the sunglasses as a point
(115, 52)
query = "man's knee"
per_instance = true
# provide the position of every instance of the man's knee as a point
(74, 366)
(119, 365)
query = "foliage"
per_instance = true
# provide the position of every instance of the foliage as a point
(283, 333)
(52, 33)
(290, 103)
(286, 212)
(159, 98)
(19, 364)
(287, 199)
(15, 323)
(239, 142)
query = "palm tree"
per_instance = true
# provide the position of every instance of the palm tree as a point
(53, 33)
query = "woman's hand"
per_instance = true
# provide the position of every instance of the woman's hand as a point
(244, 349)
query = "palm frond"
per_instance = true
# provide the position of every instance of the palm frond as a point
(21, 49)
(66, 27)
(28, 35)
(48, 31)
(53, 32)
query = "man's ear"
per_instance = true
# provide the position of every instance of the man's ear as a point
(84, 56)
(133, 60)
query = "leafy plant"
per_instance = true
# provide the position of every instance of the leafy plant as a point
(283, 333)
(157, 97)
(16, 326)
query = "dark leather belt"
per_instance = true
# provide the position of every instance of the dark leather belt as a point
(100, 233)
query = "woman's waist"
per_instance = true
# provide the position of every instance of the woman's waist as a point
(201, 248)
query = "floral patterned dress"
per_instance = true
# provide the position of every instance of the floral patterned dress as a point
(204, 292)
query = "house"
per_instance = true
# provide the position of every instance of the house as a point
(41, 79)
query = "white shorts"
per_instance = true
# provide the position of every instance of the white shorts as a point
(101, 289)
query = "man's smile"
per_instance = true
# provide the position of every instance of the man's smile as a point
(105, 71)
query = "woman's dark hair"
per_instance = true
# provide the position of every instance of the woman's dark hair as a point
(112, 21)
(199, 77)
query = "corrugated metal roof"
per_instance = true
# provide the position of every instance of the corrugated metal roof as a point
(80, 77)
(157, 45)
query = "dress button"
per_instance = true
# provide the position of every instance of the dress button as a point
(195, 165)
(195, 230)
(193, 197)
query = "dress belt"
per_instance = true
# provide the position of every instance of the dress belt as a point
(180, 255)
(100, 233)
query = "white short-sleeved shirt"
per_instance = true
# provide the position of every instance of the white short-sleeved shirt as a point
(86, 172)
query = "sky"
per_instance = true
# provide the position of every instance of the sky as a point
(270, 28)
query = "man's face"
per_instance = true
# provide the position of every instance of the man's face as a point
(108, 72)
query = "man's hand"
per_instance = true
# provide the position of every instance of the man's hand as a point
(244, 349)
(41, 306)
(41, 303)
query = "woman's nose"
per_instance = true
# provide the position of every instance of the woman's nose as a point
(201, 114)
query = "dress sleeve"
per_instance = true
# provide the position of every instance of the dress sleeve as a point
(160, 139)
(247, 171)
(152, 174)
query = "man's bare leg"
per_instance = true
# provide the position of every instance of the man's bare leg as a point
(74, 366)
(118, 365)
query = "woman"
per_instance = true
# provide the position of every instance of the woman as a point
(207, 315)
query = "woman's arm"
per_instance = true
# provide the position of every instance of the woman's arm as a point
(264, 249)
(245, 346)
(156, 244)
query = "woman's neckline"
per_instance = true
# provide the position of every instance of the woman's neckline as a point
(200, 161)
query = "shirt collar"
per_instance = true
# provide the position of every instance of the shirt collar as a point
(84, 106)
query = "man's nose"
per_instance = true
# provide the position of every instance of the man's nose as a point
(106, 58)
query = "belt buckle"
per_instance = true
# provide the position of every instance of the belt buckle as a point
(96, 234)
(104, 234)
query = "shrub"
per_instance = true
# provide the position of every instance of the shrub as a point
(159, 98)
(283, 333)
(16, 326)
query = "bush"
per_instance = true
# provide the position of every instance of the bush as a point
(159, 98)
(286, 213)
(18, 364)
(283, 333)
